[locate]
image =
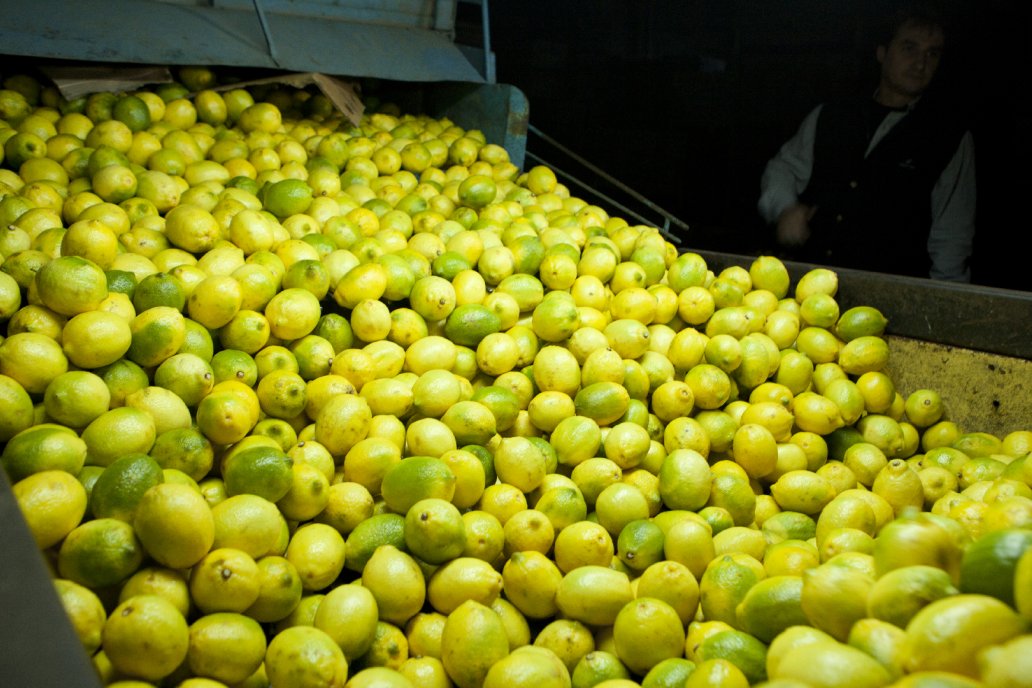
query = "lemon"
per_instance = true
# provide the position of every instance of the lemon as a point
(166, 408)
(528, 530)
(849, 587)
(947, 634)
(16, 412)
(85, 611)
(1006, 664)
(790, 557)
(988, 564)
(581, 544)
(424, 634)
(356, 605)
(470, 475)
(279, 590)
(675, 584)
(70, 285)
(901, 593)
(563, 643)
(740, 649)
(187, 375)
(640, 544)
(286, 197)
(305, 657)
(434, 530)
(501, 401)
(415, 478)
(472, 641)
(292, 313)
(42, 448)
(317, 551)
(307, 495)
(670, 672)
(368, 461)
(95, 339)
(1021, 585)
(564, 506)
(52, 502)
(734, 494)
(769, 273)
(146, 637)
(723, 586)
(342, 422)
(226, 647)
(158, 580)
(118, 490)
(157, 334)
(802, 491)
(381, 676)
(32, 360)
(919, 539)
(224, 418)
(469, 323)
(716, 672)
(531, 581)
(379, 529)
(520, 463)
(880, 640)
(485, 536)
(100, 552)
(262, 471)
(860, 321)
(829, 664)
(159, 520)
(461, 579)
(771, 606)
(647, 631)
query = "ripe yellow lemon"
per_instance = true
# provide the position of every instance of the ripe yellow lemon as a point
(161, 519)
(146, 637)
(53, 503)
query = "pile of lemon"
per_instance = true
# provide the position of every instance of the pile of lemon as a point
(289, 401)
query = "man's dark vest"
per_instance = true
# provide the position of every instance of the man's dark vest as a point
(874, 213)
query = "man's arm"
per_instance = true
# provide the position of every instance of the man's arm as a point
(788, 172)
(953, 216)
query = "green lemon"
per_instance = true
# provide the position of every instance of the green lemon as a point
(435, 531)
(262, 471)
(43, 447)
(988, 564)
(770, 606)
(948, 634)
(120, 487)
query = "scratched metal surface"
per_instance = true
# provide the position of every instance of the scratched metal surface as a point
(385, 44)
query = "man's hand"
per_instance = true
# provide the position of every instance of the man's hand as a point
(794, 225)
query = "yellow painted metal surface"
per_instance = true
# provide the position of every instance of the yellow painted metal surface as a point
(981, 392)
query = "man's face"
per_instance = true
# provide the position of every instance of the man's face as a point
(909, 61)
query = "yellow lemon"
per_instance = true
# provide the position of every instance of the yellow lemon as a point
(85, 611)
(948, 633)
(53, 503)
(302, 656)
(472, 640)
(159, 520)
(317, 551)
(146, 637)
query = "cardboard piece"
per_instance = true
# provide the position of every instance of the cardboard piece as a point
(75, 81)
(343, 94)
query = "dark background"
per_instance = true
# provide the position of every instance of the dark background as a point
(685, 100)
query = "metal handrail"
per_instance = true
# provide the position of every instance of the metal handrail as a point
(668, 217)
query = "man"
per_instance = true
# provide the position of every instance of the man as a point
(886, 184)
